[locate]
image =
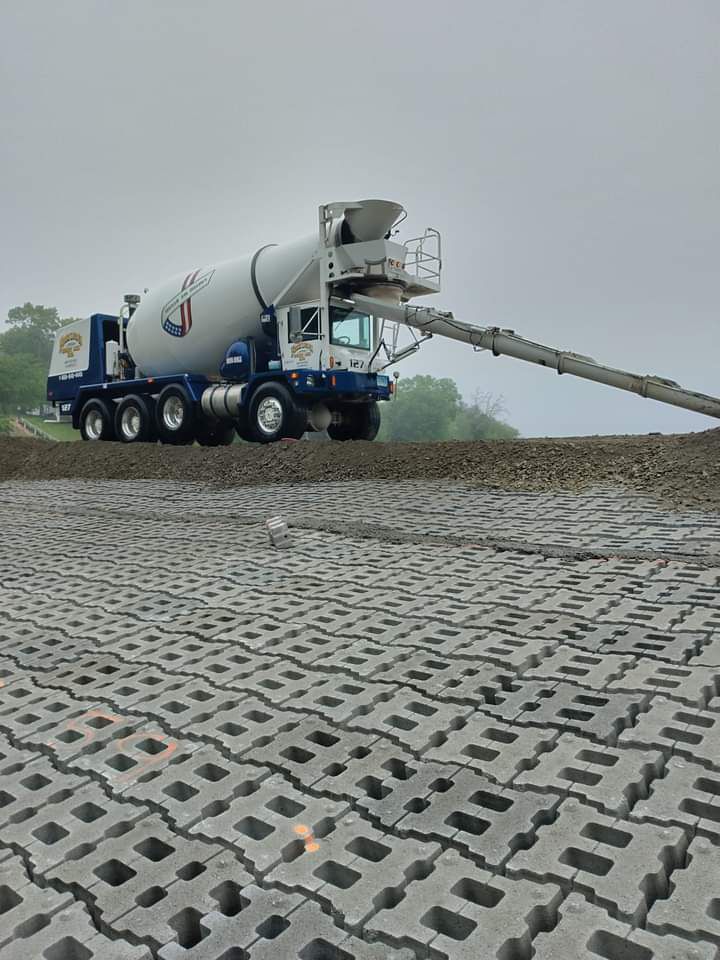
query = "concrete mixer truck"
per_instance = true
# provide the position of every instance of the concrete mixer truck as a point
(291, 338)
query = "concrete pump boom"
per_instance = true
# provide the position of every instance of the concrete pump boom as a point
(508, 343)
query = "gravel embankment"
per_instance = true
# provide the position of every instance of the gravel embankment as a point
(680, 469)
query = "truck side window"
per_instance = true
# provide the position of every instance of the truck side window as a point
(303, 323)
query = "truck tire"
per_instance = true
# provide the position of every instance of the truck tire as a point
(359, 422)
(96, 421)
(274, 415)
(214, 433)
(134, 421)
(175, 415)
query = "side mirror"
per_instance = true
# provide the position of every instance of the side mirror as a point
(268, 322)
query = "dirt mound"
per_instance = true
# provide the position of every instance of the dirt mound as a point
(679, 468)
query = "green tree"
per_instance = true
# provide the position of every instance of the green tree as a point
(36, 317)
(25, 350)
(425, 408)
(483, 419)
(22, 382)
(31, 332)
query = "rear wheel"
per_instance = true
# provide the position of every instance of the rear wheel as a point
(175, 415)
(96, 421)
(134, 422)
(275, 415)
(214, 433)
(359, 421)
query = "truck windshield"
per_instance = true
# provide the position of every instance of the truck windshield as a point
(349, 328)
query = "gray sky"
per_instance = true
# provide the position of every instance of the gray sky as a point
(568, 152)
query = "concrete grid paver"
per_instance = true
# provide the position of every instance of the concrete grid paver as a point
(351, 749)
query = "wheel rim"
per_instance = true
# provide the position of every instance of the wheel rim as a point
(173, 413)
(94, 425)
(269, 415)
(130, 422)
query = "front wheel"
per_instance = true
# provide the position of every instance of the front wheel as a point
(359, 421)
(275, 415)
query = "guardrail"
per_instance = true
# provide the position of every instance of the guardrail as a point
(33, 429)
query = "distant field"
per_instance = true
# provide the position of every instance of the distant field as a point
(58, 431)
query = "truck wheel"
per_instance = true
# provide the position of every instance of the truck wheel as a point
(96, 421)
(134, 420)
(359, 422)
(275, 415)
(175, 415)
(214, 433)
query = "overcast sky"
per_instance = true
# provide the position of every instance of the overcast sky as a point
(568, 151)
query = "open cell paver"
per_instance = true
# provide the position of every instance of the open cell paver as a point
(359, 747)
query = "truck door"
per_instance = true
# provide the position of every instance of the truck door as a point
(301, 337)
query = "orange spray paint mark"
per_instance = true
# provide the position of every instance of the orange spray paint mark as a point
(306, 835)
(82, 726)
(144, 760)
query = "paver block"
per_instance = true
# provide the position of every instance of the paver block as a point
(56, 831)
(400, 785)
(257, 916)
(678, 730)
(25, 909)
(656, 616)
(586, 669)
(490, 822)
(598, 715)
(312, 749)
(463, 912)
(341, 699)
(353, 867)
(698, 617)
(440, 634)
(494, 748)
(658, 644)
(608, 778)
(708, 656)
(692, 685)
(131, 757)
(686, 794)
(261, 823)
(619, 865)
(693, 908)
(242, 724)
(412, 720)
(586, 932)
(194, 783)
(449, 678)
(309, 933)
(515, 654)
(364, 658)
(183, 884)
(26, 788)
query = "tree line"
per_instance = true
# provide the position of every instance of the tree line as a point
(25, 350)
(429, 408)
(425, 407)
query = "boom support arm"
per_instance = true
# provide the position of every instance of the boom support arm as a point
(508, 343)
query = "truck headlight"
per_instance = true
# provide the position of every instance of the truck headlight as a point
(310, 380)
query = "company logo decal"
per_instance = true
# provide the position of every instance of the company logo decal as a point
(301, 351)
(176, 315)
(70, 344)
